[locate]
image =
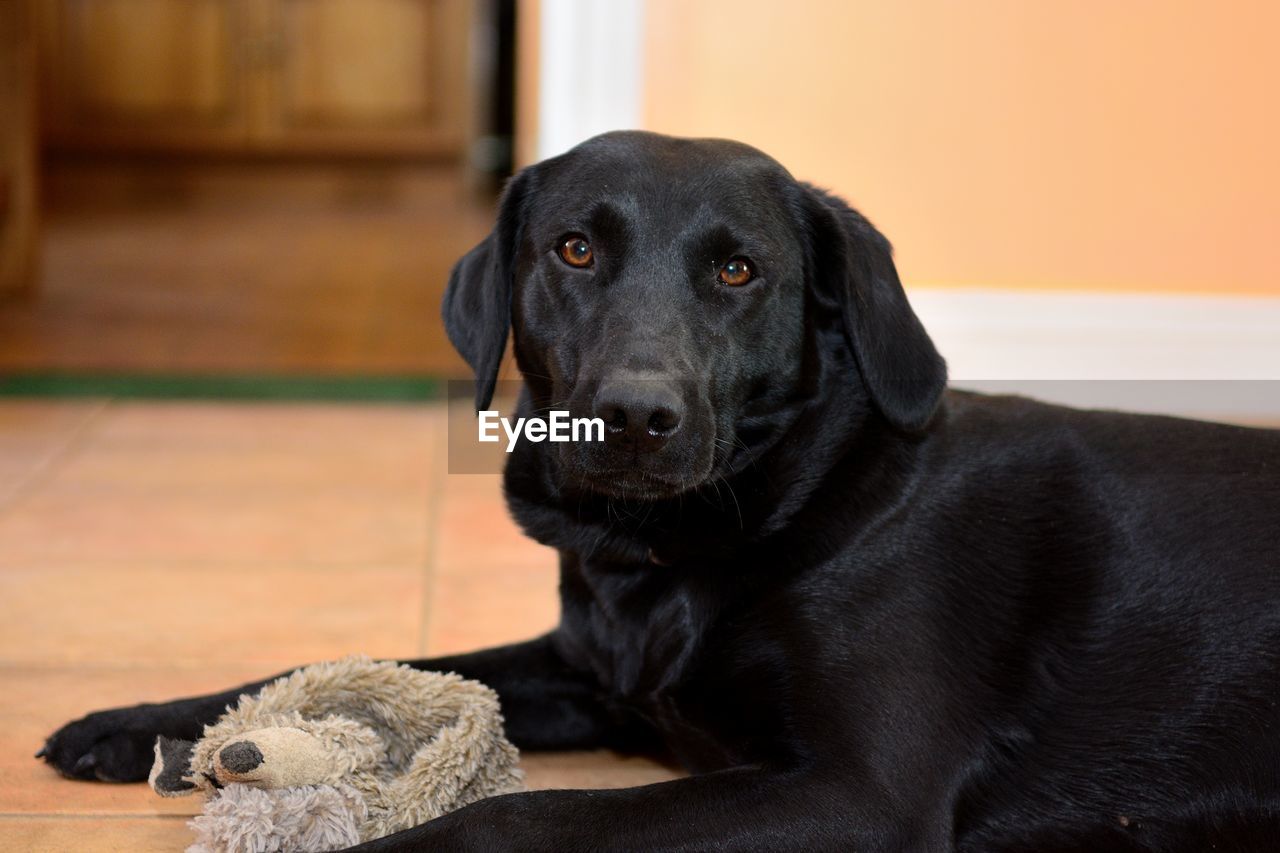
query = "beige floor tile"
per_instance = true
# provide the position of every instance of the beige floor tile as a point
(327, 527)
(33, 433)
(484, 606)
(246, 482)
(377, 471)
(93, 835)
(36, 700)
(168, 614)
(490, 583)
(298, 425)
(594, 769)
(33, 422)
(474, 485)
(477, 527)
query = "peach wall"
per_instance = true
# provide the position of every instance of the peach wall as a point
(1122, 145)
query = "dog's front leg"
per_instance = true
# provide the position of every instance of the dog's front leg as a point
(742, 809)
(547, 704)
(117, 744)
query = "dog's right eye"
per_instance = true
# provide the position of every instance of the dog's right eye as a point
(736, 272)
(576, 251)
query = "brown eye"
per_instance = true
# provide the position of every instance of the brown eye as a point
(576, 251)
(737, 272)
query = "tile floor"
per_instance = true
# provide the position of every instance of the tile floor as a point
(282, 533)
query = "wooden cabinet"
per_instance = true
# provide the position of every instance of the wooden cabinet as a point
(18, 220)
(342, 76)
(157, 71)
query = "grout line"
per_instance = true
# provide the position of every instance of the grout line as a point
(230, 564)
(43, 470)
(95, 815)
(184, 665)
(435, 509)
(255, 668)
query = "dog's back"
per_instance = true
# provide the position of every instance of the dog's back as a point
(1148, 717)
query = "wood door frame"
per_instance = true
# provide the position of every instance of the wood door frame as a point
(19, 172)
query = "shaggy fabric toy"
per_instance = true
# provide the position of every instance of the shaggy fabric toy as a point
(339, 753)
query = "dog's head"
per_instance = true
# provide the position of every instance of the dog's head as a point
(688, 293)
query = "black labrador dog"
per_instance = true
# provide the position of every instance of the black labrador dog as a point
(865, 612)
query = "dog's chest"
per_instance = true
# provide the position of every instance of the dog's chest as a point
(638, 630)
(648, 638)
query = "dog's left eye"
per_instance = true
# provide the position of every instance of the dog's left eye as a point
(736, 272)
(576, 251)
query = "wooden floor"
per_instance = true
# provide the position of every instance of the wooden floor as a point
(149, 550)
(243, 269)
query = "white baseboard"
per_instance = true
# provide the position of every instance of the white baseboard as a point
(1194, 355)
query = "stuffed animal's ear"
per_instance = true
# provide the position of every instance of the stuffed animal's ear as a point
(477, 303)
(902, 369)
(172, 767)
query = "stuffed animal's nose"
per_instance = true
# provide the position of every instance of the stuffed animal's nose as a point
(240, 757)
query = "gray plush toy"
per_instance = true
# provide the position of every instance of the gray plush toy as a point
(339, 753)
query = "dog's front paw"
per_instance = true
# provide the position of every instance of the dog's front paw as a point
(110, 746)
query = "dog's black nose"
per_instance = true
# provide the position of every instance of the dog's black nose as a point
(240, 757)
(643, 413)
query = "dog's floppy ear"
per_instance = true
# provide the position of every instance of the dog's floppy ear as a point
(903, 371)
(477, 303)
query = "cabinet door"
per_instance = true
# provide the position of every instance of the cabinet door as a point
(371, 75)
(18, 174)
(164, 72)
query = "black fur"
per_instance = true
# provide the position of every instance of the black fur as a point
(865, 613)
